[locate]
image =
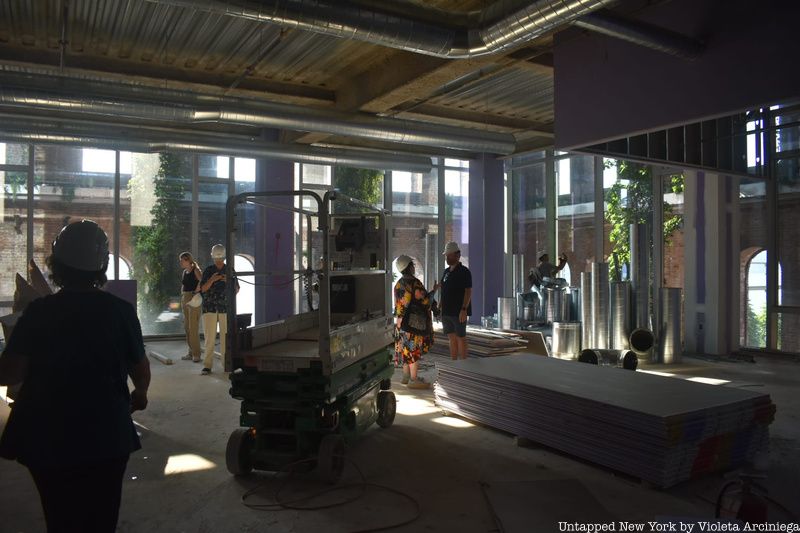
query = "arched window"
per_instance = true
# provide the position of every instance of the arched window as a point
(756, 300)
(124, 268)
(246, 299)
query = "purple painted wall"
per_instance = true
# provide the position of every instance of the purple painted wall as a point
(606, 88)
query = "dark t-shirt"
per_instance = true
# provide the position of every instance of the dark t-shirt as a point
(454, 284)
(74, 406)
(189, 281)
(214, 298)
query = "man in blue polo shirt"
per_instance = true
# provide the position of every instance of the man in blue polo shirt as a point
(456, 297)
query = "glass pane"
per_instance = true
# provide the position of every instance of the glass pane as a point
(456, 211)
(787, 139)
(362, 184)
(789, 332)
(71, 184)
(155, 227)
(575, 215)
(317, 174)
(415, 212)
(213, 166)
(753, 263)
(673, 187)
(457, 163)
(13, 154)
(211, 212)
(13, 235)
(789, 230)
(529, 225)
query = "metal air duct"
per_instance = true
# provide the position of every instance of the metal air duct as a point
(670, 347)
(587, 336)
(269, 115)
(566, 340)
(640, 273)
(620, 314)
(351, 21)
(619, 358)
(600, 305)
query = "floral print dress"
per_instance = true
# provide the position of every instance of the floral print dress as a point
(409, 347)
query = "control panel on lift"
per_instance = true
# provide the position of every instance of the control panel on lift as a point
(355, 243)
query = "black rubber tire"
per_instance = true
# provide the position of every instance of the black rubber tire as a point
(330, 458)
(237, 453)
(387, 408)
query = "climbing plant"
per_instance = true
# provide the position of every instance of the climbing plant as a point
(153, 254)
(630, 201)
(360, 183)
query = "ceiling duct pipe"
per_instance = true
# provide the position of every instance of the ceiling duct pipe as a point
(641, 34)
(271, 115)
(350, 21)
(300, 154)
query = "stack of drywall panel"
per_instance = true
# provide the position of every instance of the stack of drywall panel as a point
(482, 342)
(660, 429)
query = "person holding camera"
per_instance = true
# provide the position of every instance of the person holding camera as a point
(215, 306)
(414, 323)
(546, 269)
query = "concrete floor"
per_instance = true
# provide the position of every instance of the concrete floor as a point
(178, 481)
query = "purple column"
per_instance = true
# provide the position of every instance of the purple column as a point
(486, 231)
(274, 240)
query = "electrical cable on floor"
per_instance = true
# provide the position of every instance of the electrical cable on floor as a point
(286, 505)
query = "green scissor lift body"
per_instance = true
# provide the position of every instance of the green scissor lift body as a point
(303, 400)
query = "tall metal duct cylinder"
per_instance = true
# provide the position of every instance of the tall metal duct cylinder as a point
(671, 327)
(640, 274)
(620, 314)
(556, 304)
(600, 309)
(574, 304)
(506, 313)
(642, 341)
(518, 275)
(566, 340)
(587, 334)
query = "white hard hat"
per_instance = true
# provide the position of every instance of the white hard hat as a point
(451, 247)
(217, 252)
(402, 262)
(83, 246)
(541, 254)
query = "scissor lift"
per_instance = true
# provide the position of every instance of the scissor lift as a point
(312, 382)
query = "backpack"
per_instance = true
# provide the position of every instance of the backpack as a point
(415, 319)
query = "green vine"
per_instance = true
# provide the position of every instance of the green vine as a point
(153, 254)
(359, 183)
(630, 201)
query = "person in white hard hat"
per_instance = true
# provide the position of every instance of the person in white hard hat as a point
(215, 305)
(73, 352)
(412, 306)
(456, 301)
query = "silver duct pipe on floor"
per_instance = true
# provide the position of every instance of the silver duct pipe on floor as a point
(573, 304)
(556, 305)
(670, 346)
(566, 340)
(640, 274)
(642, 342)
(587, 335)
(395, 31)
(600, 311)
(269, 115)
(620, 358)
(620, 294)
(297, 153)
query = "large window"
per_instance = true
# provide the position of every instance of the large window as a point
(456, 205)
(13, 218)
(528, 208)
(575, 228)
(415, 210)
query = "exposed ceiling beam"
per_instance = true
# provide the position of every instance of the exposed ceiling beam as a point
(470, 118)
(351, 142)
(170, 76)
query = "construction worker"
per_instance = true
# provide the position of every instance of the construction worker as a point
(73, 352)
(215, 305)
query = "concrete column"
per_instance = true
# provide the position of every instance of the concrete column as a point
(711, 263)
(486, 226)
(274, 240)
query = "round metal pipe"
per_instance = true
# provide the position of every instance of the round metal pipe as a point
(566, 340)
(670, 346)
(600, 311)
(620, 358)
(642, 341)
(587, 335)
(620, 314)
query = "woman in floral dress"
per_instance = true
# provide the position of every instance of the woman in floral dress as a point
(411, 346)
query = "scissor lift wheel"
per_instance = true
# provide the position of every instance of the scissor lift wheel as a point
(330, 458)
(387, 408)
(237, 453)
